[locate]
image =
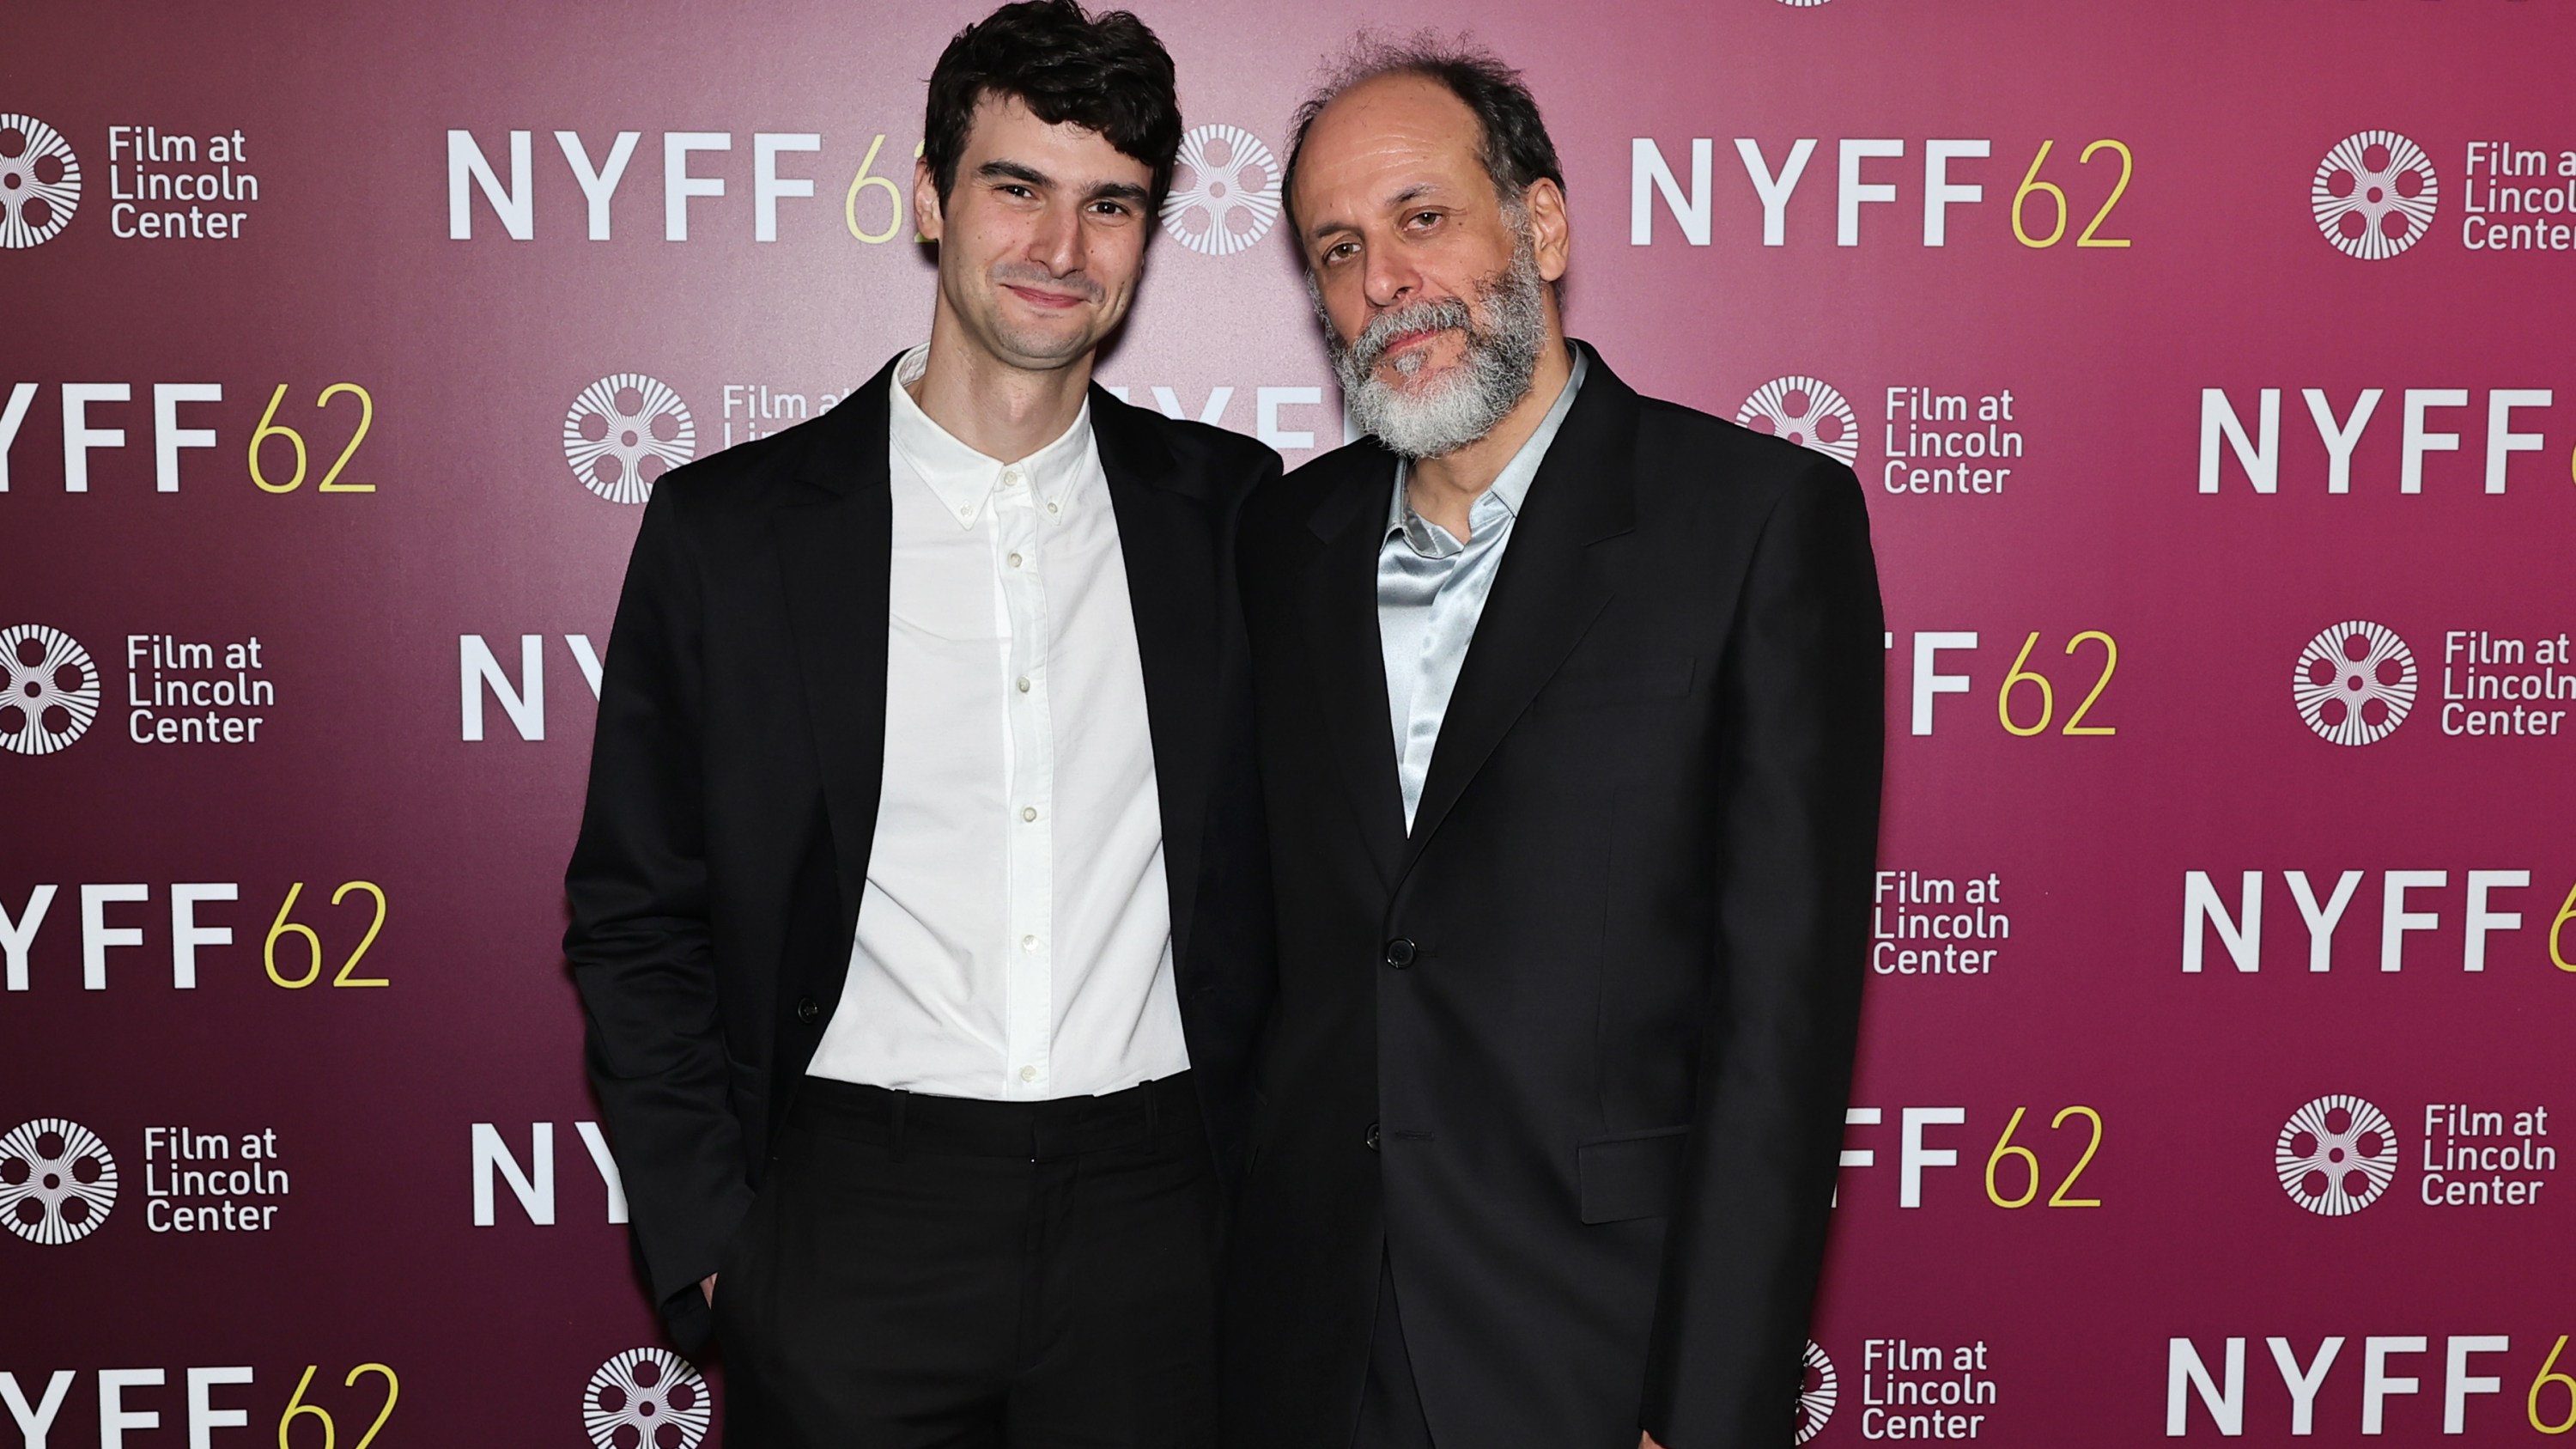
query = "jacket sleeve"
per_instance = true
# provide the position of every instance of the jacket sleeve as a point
(1236, 932)
(1801, 725)
(639, 939)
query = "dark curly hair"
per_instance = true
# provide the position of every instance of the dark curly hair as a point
(1104, 73)
(1514, 146)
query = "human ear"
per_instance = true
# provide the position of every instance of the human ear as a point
(926, 217)
(1551, 235)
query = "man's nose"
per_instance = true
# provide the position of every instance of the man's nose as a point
(1390, 279)
(1057, 243)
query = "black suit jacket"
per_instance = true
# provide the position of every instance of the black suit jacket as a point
(734, 784)
(1573, 1056)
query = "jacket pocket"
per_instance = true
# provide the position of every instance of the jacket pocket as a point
(1632, 1175)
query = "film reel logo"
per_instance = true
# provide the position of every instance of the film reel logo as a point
(51, 693)
(2336, 1155)
(646, 1398)
(2374, 194)
(1226, 193)
(1807, 412)
(1817, 1385)
(624, 431)
(2355, 682)
(40, 182)
(57, 1181)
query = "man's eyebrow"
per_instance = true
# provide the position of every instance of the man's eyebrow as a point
(1413, 193)
(1031, 176)
(1013, 171)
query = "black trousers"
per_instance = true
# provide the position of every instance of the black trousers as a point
(935, 1273)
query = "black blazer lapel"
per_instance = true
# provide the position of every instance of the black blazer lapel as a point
(1558, 574)
(1342, 646)
(835, 550)
(1167, 543)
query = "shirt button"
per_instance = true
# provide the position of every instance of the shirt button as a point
(1372, 1137)
(1028, 1074)
(966, 513)
(1010, 477)
(1399, 953)
(1024, 684)
(1015, 560)
(807, 1009)
(1028, 812)
(1028, 943)
(1055, 508)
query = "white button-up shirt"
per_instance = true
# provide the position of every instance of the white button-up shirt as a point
(1015, 939)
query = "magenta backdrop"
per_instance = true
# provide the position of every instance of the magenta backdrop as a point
(2153, 1167)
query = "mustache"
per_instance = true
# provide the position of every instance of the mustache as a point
(1367, 350)
(1022, 274)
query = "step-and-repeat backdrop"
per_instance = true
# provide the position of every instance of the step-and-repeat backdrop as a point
(2206, 364)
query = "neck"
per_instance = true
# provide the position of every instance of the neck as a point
(993, 407)
(1445, 489)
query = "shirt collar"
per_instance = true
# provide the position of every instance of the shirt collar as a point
(1503, 498)
(963, 477)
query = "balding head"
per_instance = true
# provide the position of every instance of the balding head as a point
(1432, 240)
(1510, 140)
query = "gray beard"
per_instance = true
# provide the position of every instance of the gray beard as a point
(1503, 347)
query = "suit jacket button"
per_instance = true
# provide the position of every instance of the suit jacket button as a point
(1399, 953)
(1372, 1137)
(806, 1009)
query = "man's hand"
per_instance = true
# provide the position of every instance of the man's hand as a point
(707, 1285)
(1644, 1441)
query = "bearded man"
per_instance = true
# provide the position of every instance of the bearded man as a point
(1569, 713)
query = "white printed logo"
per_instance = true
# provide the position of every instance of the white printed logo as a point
(1816, 1383)
(2355, 682)
(2374, 194)
(623, 432)
(1232, 194)
(52, 690)
(40, 182)
(2336, 1155)
(646, 1398)
(57, 1181)
(1807, 412)
(1802, 5)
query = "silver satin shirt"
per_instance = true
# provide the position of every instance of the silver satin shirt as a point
(1431, 590)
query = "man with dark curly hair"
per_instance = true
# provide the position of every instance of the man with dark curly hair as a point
(920, 877)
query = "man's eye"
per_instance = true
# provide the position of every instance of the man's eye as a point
(1110, 208)
(1340, 251)
(1425, 218)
